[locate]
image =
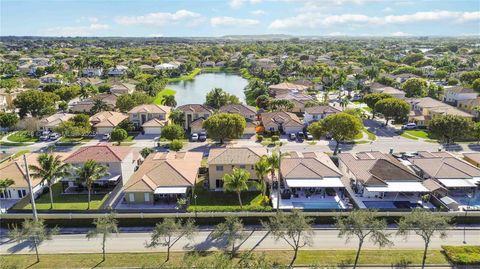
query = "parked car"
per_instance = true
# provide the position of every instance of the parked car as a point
(308, 136)
(202, 136)
(194, 137)
(409, 126)
(106, 137)
(91, 135)
(300, 135)
(43, 137)
(292, 136)
(54, 136)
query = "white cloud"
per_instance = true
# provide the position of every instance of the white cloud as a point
(90, 30)
(158, 18)
(313, 20)
(400, 34)
(240, 3)
(258, 12)
(230, 21)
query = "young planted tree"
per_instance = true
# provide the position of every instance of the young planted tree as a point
(89, 173)
(237, 182)
(363, 224)
(424, 224)
(118, 135)
(176, 145)
(231, 230)
(33, 231)
(104, 226)
(49, 169)
(294, 228)
(169, 231)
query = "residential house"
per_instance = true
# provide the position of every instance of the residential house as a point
(86, 106)
(265, 64)
(248, 112)
(458, 177)
(50, 122)
(208, 64)
(425, 109)
(298, 99)
(455, 94)
(310, 181)
(280, 121)
(473, 158)
(150, 117)
(166, 66)
(120, 161)
(7, 97)
(122, 88)
(286, 87)
(380, 181)
(193, 112)
(401, 78)
(51, 78)
(380, 88)
(163, 178)
(92, 72)
(119, 70)
(221, 161)
(316, 113)
(105, 121)
(145, 68)
(470, 106)
(89, 80)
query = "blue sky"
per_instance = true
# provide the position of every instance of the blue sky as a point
(149, 18)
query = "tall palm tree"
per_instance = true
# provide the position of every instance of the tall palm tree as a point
(262, 168)
(5, 183)
(274, 162)
(50, 168)
(89, 173)
(169, 100)
(237, 182)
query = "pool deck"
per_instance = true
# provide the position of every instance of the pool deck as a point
(319, 199)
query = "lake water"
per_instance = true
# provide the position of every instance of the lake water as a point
(194, 91)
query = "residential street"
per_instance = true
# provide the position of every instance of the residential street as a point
(259, 240)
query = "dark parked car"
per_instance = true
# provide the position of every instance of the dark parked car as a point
(202, 137)
(308, 136)
(292, 136)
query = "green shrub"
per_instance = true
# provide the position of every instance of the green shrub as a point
(233, 208)
(275, 138)
(463, 254)
(259, 138)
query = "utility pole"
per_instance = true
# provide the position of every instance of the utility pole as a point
(278, 179)
(32, 196)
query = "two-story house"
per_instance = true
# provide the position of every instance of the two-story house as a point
(122, 88)
(150, 117)
(299, 100)
(316, 113)
(248, 112)
(222, 161)
(425, 109)
(286, 87)
(380, 88)
(92, 72)
(105, 121)
(280, 121)
(194, 114)
(455, 94)
(118, 70)
(50, 122)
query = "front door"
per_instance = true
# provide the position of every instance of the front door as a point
(144, 118)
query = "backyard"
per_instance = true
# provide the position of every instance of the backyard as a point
(162, 94)
(66, 201)
(225, 201)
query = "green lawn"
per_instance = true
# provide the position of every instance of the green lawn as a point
(156, 259)
(158, 99)
(67, 201)
(21, 137)
(371, 136)
(188, 76)
(75, 139)
(463, 254)
(417, 133)
(408, 136)
(20, 153)
(225, 201)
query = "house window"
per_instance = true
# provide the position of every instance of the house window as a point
(218, 183)
(134, 116)
(242, 166)
(147, 197)
(219, 168)
(19, 193)
(131, 197)
(24, 193)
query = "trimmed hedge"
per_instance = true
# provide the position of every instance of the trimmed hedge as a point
(465, 255)
(222, 208)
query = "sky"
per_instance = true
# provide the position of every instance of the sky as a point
(202, 18)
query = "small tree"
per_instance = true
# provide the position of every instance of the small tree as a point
(362, 224)
(232, 230)
(118, 135)
(169, 231)
(316, 129)
(8, 120)
(372, 99)
(33, 231)
(294, 228)
(104, 226)
(448, 128)
(425, 224)
(392, 108)
(224, 126)
(415, 87)
(89, 173)
(176, 145)
(237, 182)
(146, 151)
(342, 127)
(173, 131)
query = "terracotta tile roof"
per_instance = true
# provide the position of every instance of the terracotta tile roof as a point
(458, 89)
(475, 157)
(288, 86)
(308, 165)
(285, 118)
(150, 108)
(99, 153)
(107, 119)
(321, 110)
(56, 119)
(445, 167)
(172, 169)
(299, 97)
(195, 108)
(155, 123)
(235, 155)
(241, 109)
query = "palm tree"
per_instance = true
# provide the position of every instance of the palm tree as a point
(177, 116)
(5, 183)
(49, 169)
(169, 100)
(262, 168)
(274, 162)
(89, 173)
(99, 105)
(237, 182)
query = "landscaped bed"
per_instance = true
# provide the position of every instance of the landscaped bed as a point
(142, 260)
(66, 201)
(463, 254)
(208, 201)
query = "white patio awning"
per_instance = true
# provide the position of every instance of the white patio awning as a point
(457, 182)
(399, 187)
(109, 178)
(332, 182)
(170, 190)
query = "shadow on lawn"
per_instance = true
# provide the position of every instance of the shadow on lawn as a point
(98, 264)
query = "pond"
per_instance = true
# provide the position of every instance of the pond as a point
(194, 91)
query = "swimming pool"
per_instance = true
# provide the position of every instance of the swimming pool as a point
(316, 205)
(475, 201)
(390, 204)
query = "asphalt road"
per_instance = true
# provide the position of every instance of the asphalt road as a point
(258, 240)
